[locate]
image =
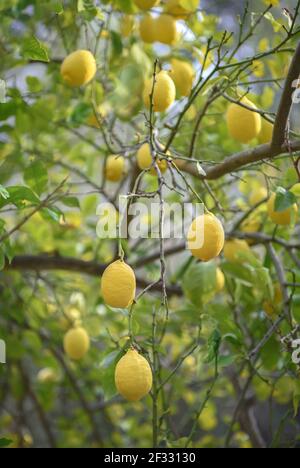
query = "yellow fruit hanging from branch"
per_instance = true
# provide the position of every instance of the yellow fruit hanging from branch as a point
(164, 93)
(76, 343)
(79, 68)
(115, 168)
(243, 124)
(145, 160)
(183, 75)
(118, 285)
(206, 237)
(133, 376)
(282, 218)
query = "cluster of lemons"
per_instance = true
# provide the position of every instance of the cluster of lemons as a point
(206, 237)
(161, 28)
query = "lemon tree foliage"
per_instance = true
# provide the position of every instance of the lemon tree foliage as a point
(149, 342)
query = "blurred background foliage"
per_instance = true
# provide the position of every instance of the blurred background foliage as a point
(45, 136)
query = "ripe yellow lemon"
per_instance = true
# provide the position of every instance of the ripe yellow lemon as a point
(115, 168)
(234, 250)
(146, 4)
(71, 317)
(173, 8)
(133, 376)
(47, 375)
(206, 237)
(271, 307)
(166, 29)
(266, 132)
(243, 124)
(183, 74)
(118, 285)
(283, 218)
(127, 25)
(76, 343)
(220, 280)
(147, 28)
(144, 160)
(79, 68)
(164, 92)
(258, 195)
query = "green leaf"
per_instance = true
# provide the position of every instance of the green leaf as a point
(57, 6)
(5, 443)
(276, 26)
(284, 199)
(33, 49)
(89, 10)
(108, 365)
(214, 343)
(126, 6)
(80, 114)
(226, 361)
(72, 202)
(34, 84)
(2, 259)
(199, 281)
(116, 43)
(19, 195)
(8, 109)
(3, 192)
(36, 177)
(52, 214)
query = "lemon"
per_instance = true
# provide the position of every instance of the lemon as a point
(266, 132)
(47, 375)
(164, 92)
(243, 124)
(115, 168)
(118, 285)
(251, 225)
(133, 376)
(173, 8)
(71, 317)
(220, 280)
(258, 195)
(76, 343)
(283, 218)
(147, 29)
(79, 68)
(206, 237)
(146, 4)
(127, 25)
(166, 29)
(144, 160)
(271, 308)
(234, 250)
(183, 74)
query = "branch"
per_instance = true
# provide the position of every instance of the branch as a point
(39, 207)
(286, 103)
(73, 265)
(239, 160)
